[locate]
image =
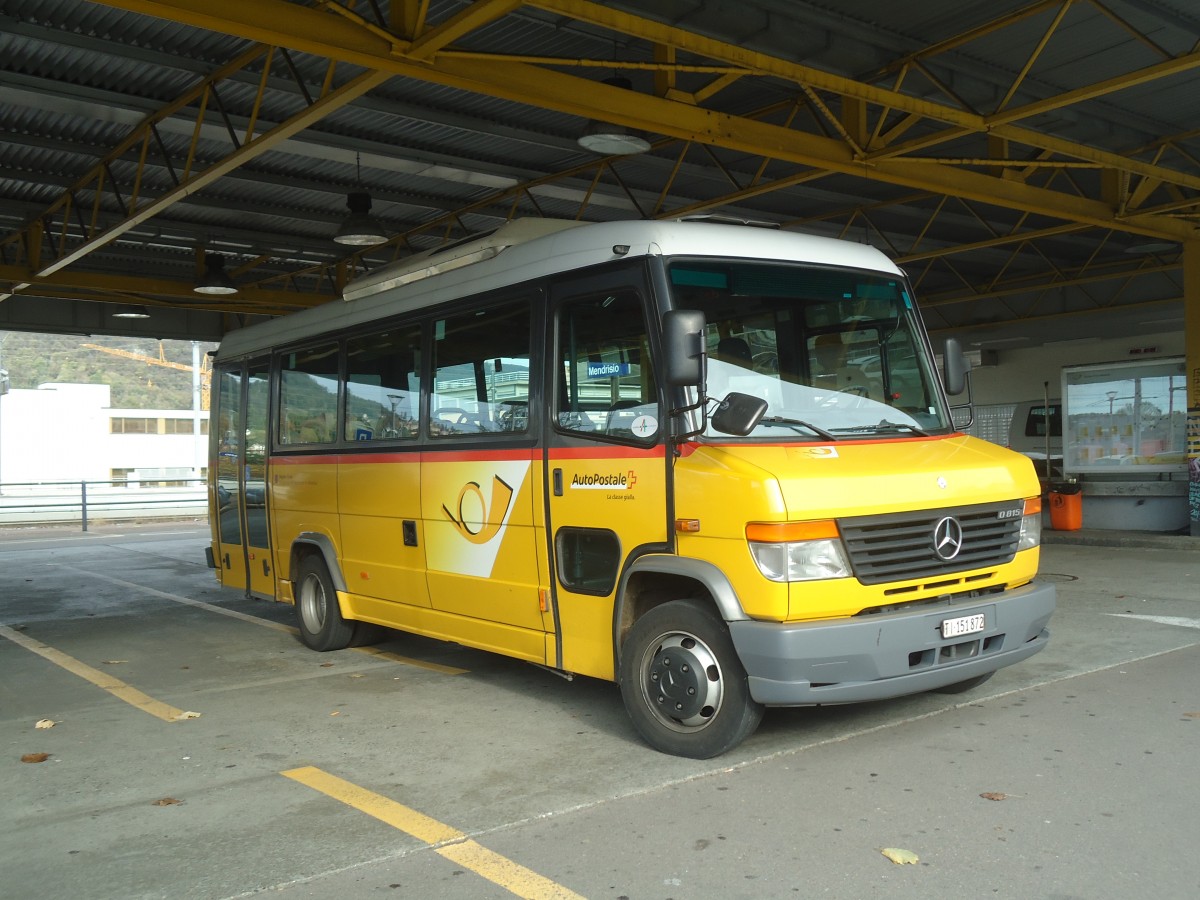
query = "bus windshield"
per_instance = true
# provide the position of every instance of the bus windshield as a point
(833, 352)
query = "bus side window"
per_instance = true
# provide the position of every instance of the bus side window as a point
(481, 361)
(607, 383)
(308, 396)
(383, 385)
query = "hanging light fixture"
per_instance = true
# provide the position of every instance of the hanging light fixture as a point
(215, 280)
(608, 139)
(132, 312)
(360, 228)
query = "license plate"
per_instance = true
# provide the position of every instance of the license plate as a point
(963, 625)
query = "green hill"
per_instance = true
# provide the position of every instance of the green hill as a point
(33, 359)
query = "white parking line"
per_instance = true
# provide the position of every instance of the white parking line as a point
(266, 623)
(1180, 621)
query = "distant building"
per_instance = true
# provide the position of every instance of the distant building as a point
(68, 432)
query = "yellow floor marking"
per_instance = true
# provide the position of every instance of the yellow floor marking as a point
(266, 623)
(102, 680)
(506, 873)
(455, 846)
(395, 814)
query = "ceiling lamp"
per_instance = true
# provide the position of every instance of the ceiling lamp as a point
(215, 280)
(132, 312)
(360, 228)
(608, 139)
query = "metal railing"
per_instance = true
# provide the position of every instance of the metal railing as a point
(66, 502)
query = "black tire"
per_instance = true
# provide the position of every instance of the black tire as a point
(706, 708)
(317, 612)
(960, 687)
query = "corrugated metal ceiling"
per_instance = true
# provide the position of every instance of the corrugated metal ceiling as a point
(79, 76)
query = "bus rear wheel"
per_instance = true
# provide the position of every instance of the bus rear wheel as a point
(682, 682)
(317, 612)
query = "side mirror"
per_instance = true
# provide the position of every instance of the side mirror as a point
(683, 345)
(738, 413)
(955, 367)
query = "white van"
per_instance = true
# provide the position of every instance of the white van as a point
(1036, 431)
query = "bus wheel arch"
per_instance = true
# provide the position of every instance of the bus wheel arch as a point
(655, 579)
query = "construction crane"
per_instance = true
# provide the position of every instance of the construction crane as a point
(161, 360)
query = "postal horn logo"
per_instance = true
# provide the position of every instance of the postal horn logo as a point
(477, 520)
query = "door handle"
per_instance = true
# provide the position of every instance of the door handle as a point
(558, 484)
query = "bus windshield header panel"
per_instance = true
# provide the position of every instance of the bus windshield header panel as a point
(833, 352)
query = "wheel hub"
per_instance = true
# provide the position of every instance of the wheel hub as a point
(312, 603)
(683, 681)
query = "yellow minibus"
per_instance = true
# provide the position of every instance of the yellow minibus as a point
(714, 463)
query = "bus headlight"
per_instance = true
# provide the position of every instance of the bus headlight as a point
(1031, 525)
(798, 551)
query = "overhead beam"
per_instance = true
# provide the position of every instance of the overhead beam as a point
(128, 288)
(337, 37)
(191, 182)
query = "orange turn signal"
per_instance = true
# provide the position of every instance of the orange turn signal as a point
(687, 526)
(789, 532)
(1033, 506)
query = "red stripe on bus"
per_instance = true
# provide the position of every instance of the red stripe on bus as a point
(606, 452)
(406, 456)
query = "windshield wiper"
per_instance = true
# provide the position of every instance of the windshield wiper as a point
(885, 427)
(798, 423)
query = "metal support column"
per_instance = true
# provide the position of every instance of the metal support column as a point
(1191, 305)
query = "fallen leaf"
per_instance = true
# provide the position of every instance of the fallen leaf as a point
(35, 757)
(326, 665)
(357, 675)
(113, 662)
(993, 795)
(1192, 715)
(335, 713)
(45, 723)
(900, 857)
(187, 715)
(166, 801)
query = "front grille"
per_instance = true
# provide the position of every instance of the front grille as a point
(900, 546)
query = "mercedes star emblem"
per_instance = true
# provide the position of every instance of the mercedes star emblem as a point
(947, 538)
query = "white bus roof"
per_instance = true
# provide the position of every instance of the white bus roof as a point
(533, 248)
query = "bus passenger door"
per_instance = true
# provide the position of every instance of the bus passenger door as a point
(240, 533)
(260, 562)
(606, 465)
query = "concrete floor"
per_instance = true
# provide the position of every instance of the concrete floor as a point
(428, 770)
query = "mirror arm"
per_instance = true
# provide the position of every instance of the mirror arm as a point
(700, 404)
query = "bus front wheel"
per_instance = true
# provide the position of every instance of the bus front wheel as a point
(317, 613)
(683, 684)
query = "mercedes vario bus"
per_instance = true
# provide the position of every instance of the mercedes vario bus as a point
(713, 463)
